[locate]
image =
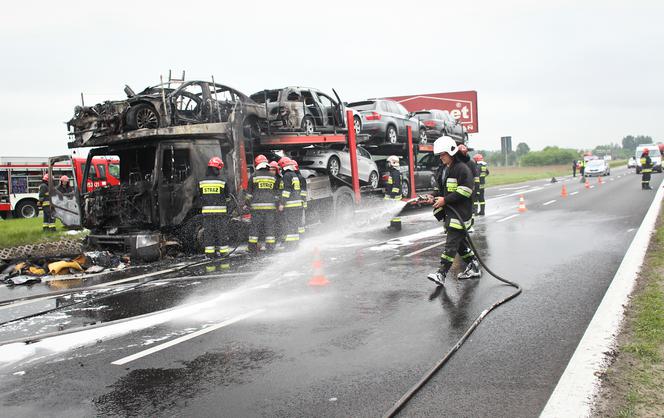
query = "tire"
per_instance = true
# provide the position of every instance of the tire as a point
(26, 209)
(334, 166)
(423, 136)
(432, 182)
(308, 126)
(373, 180)
(391, 135)
(190, 235)
(405, 189)
(357, 124)
(142, 116)
(344, 204)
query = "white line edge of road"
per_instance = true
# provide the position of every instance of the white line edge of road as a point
(184, 338)
(507, 218)
(549, 202)
(575, 392)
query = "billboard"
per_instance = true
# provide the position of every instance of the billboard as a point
(461, 104)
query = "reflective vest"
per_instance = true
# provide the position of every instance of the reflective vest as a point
(262, 190)
(213, 195)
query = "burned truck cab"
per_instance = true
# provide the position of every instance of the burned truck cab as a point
(155, 204)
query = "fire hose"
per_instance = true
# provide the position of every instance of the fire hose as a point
(398, 405)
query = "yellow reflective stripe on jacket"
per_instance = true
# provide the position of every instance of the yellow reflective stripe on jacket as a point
(285, 193)
(213, 209)
(293, 204)
(464, 191)
(390, 180)
(262, 206)
(456, 224)
(395, 190)
(451, 184)
(211, 186)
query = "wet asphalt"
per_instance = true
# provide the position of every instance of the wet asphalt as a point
(282, 347)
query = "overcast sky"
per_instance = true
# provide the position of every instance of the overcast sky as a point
(567, 73)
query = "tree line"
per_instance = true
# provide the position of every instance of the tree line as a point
(553, 155)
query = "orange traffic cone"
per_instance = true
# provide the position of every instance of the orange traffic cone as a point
(318, 278)
(599, 180)
(564, 192)
(587, 185)
(522, 204)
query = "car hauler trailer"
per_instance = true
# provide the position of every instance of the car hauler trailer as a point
(154, 205)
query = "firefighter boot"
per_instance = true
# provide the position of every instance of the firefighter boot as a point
(472, 271)
(438, 277)
(481, 210)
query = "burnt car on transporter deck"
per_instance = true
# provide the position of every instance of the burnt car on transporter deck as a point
(304, 109)
(439, 123)
(386, 121)
(164, 105)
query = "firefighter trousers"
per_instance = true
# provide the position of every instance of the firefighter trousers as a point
(292, 220)
(456, 243)
(215, 235)
(49, 223)
(480, 203)
(645, 180)
(263, 225)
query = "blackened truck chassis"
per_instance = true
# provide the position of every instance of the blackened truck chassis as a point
(155, 204)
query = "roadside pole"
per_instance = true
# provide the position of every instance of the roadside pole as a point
(352, 148)
(411, 163)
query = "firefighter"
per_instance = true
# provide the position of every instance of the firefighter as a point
(274, 168)
(646, 169)
(262, 199)
(48, 224)
(303, 193)
(574, 163)
(214, 197)
(474, 168)
(290, 203)
(582, 169)
(454, 190)
(479, 194)
(393, 191)
(64, 186)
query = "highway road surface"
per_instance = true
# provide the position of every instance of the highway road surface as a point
(258, 339)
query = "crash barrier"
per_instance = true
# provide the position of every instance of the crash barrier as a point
(43, 249)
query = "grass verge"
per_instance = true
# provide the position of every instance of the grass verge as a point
(14, 232)
(632, 386)
(507, 175)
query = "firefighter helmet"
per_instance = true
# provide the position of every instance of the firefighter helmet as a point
(478, 157)
(393, 160)
(445, 144)
(646, 151)
(274, 165)
(284, 161)
(296, 165)
(260, 162)
(64, 179)
(463, 149)
(45, 178)
(216, 162)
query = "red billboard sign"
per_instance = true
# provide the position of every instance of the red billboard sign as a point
(461, 104)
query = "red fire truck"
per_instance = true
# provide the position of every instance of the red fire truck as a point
(20, 178)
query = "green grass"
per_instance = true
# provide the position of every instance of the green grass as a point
(15, 232)
(507, 175)
(617, 163)
(645, 344)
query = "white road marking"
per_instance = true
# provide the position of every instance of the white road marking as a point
(514, 188)
(613, 178)
(548, 203)
(508, 218)
(592, 187)
(425, 249)
(576, 389)
(631, 229)
(499, 195)
(573, 193)
(187, 337)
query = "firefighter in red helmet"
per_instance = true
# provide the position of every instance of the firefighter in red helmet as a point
(290, 202)
(261, 197)
(479, 193)
(303, 194)
(48, 224)
(214, 197)
(63, 186)
(646, 169)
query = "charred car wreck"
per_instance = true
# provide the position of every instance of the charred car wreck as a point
(165, 105)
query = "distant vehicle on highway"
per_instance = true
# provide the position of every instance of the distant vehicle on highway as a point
(631, 163)
(335, 160)
(655, 156)
(386, 120)
(598, 167)
(439, 122)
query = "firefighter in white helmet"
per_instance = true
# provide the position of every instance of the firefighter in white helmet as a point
(393, 189)
(454, 188)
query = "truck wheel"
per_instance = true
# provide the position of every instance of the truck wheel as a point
(142, 116)
(334, 166)
(190, 235)
(405, 189)
(344, 204)
(357, 125)
(391, 135)
(26, 209)
(373, 180)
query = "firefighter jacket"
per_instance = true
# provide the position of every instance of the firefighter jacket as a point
(484, 171)
(64, 189)
(646, 164)
(290, 190)
(44, 199)
(474, 169)
(213, 195)
(393, 185)
(455, 184)
(303, 188)
(262, 190)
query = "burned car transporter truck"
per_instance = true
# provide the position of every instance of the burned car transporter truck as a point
(154, 206)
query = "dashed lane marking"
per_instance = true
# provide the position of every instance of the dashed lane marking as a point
(573, 193)
(425, 249)
(631, 229)
(507, 218)
(548, 203)
(187, 337)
